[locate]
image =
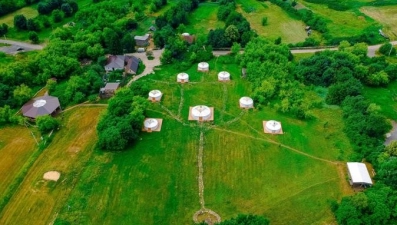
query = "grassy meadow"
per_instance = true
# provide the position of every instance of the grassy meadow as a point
(203, 19)
(280, 24)
(39, 200)
(289, 178)
(385, 97)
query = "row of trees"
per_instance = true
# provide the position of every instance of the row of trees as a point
(69, 7)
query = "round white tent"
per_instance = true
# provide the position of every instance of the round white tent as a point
(203, 67)
(155, 95)
(223, 76)
(185, 34)
(182, 77)
(246, 102)
(151, 124)
(273, 126)
(201, 112)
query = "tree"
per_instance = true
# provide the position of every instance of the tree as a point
(128, 43)
(67, 9)
(3, 29)
(378, 79)
(231, 33)
(47, 123)
(43, 8)
(95, 51)
(33, 37)
(32, 25)
(57, 15)
(22, 94)
(387, 49)
(264, 21)
(20, 22)
(236, 47)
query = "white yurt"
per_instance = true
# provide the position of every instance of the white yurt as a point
(185, 34)
(273, 126)
(150, 124)
(203, 67)
(182, 78)
(223, 76)
(155, 95)
(246, 102)
(201, 112)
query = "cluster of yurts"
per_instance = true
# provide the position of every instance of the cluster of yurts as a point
(202, 112)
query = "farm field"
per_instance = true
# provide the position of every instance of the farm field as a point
(386, 16)
(280, 24)
(289, 178)
(38, 200)
(17, 148)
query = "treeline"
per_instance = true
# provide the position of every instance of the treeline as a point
(8, 6)
(271, 71)
(68, 7)
(237, 28)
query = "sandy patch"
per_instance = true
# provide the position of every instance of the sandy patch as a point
(52, 175)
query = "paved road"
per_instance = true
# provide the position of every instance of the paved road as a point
(150, 64)
(371, 50)
(14, 45)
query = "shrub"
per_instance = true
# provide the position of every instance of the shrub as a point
(387, 49)
(46, 123)
(264, 21)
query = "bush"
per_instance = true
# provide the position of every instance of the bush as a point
(387, 49)
(264, 21)
(46, 123)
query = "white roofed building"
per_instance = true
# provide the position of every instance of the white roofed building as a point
(358, 174)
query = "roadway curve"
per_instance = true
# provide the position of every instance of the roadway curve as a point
(22, 44)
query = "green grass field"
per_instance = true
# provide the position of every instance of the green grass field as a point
(342, 23)
(28, 11)
(289, 178)
(37, 201)
(386, 98)
(203, 19)
(280, 24)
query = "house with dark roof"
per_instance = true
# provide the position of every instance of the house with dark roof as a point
(40, 106)
(142, 41)
(122, 62)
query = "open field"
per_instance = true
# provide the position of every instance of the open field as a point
(386, 98)
(203, 19)
(280, 24)
(17, 146)
(37, 201)
(290, 178)
(385, 15)
(342, 23)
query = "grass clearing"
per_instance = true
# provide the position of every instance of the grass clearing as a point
(385, 97)
(280, 24)
(385, 15)
(342, 23)
(203, 19)
(290, 178)
(39, 200)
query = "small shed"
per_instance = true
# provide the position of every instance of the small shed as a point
(358, 174)
(40, 106)
(109, 90)
(142, 41)
(203, 67)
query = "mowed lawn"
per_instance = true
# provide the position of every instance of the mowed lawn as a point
(279, 23)
(386, 16)
(203, 19)
(385, 97)
(290, 178)
(17, 146)
(37, 201)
